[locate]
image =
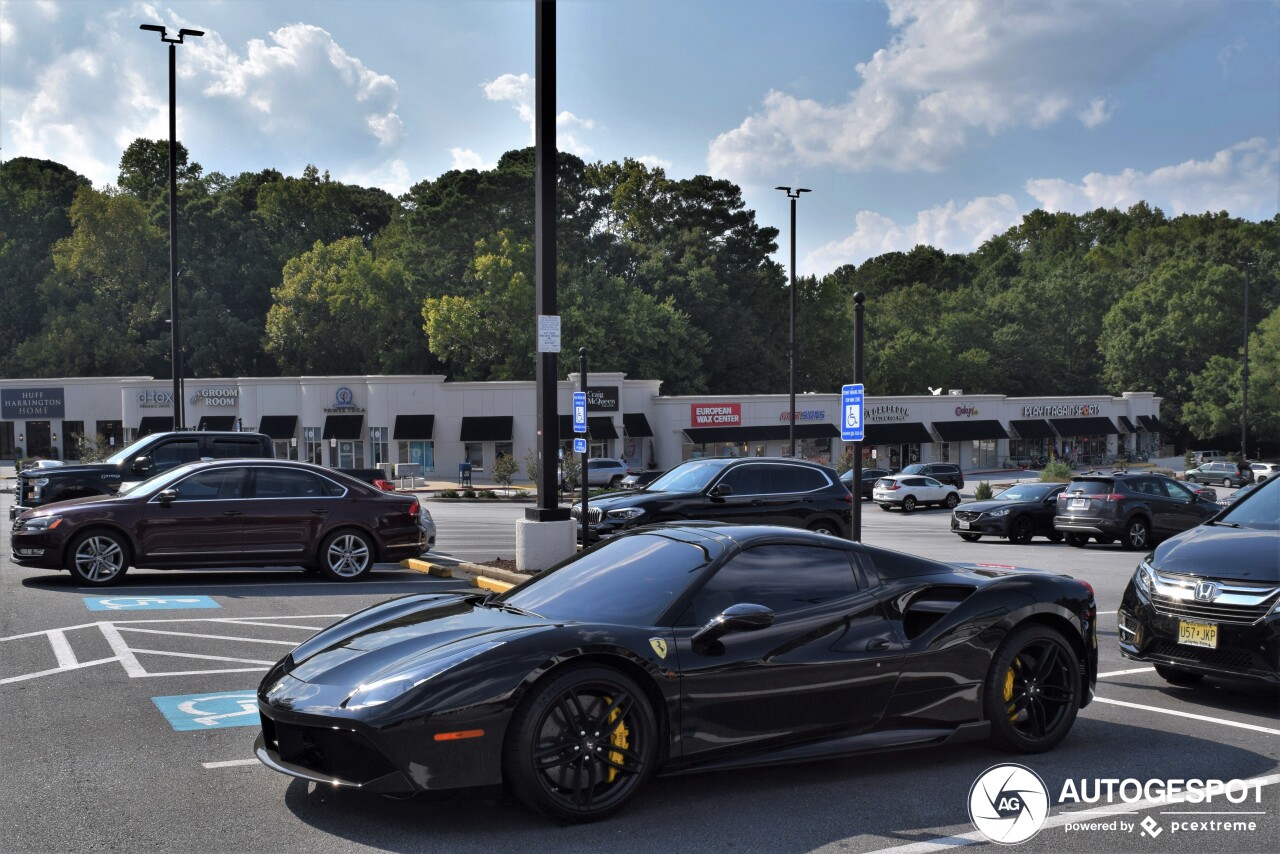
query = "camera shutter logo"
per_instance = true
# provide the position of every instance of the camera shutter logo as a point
(1008, 804)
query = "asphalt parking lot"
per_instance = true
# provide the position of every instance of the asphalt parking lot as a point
(128, 725)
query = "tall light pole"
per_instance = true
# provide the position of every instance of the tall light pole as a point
(1244, 391)
(174, 338)
(791, 337)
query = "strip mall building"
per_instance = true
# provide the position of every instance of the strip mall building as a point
(363, 421)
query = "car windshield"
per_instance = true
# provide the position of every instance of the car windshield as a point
(630, 580)
(128, 452)
(1260, 510)
(159, 481)
(1025, 492)
(687, 477)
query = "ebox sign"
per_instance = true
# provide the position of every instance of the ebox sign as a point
(602, 398)
(715, 414)
(17, 403)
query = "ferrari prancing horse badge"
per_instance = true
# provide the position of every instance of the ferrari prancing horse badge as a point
(659, 646)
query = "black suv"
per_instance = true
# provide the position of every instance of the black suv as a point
(944, 472)
(752, 490)
(1136, 509)
(133, 463)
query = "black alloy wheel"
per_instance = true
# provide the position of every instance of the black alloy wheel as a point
(1077, 540)
(952, 500)
(98, 558)
(970, 538)
(1021, 530)
(581, 744)
(1136, 534)
(1178, 677)
(908, 504)
(1032, 693)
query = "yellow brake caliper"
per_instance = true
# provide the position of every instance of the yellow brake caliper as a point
(1008, 691)
(618, 737)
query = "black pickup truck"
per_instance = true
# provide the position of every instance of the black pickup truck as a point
(135, 462)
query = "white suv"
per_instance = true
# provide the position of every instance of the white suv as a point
(603, 471)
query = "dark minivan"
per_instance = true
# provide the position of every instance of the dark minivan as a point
(751, 490)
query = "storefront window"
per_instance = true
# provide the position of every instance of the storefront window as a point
(422, 452)
(312, 449)
(941, 452)
(984, 454)
(72, 433)
(378, 440)
(814, 450)
(715, 449)
(473, 452)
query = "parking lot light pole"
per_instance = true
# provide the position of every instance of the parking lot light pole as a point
(1244, 381)
(179, 411)
(791, 336)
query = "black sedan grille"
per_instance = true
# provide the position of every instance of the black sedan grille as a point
(967, 515)
(1239, 602)
(341, 754)
(594, 514)
(1199, 655)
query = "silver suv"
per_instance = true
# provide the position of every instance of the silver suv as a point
(603, 471)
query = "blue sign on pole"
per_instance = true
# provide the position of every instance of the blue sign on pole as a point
(579, 446)
(851, 427)
(579, 412)
(148, 603)
(188, 712)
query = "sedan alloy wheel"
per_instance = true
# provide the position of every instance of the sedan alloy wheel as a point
(346, 556)
(98, 558)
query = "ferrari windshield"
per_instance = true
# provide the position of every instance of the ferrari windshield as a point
(628, 580)
(687, 477)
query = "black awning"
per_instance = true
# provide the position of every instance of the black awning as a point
(154, 424)
(414, 427)
(1127, 425)
(600, 427)
(342, 427)
(636, 425)
(1150, 423)
(897, 433)
(1098, 425)
(486, 428)
(1033, 428)
(279, 426)
(961, 431)
(759, 433)
(217, 422)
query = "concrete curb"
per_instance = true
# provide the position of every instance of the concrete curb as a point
(475, 570)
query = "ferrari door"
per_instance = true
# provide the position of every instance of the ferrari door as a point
(824, 668)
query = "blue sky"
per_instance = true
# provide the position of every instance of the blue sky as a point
(913, 121)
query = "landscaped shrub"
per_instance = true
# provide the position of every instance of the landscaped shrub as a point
(1056, 470)
(982, 492)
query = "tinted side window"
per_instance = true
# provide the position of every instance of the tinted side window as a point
(224, 448)
(174, 453)
(1177, 491)
(745, 480)
(782, 578)
(1095, 487)
(780, 479)
(282, 483)
(210, 485)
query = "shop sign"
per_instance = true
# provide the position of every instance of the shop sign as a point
(32, 403)
(344, 401)
(887, 412)
(805, 415)
(225, 396)
(150, 398)
(966, 412)
(1061, 410)
(715, 414)
(602, 398)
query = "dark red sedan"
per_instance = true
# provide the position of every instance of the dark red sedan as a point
(247, 512)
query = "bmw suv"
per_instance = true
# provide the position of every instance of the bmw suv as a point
(1137, 509)
(751, 490)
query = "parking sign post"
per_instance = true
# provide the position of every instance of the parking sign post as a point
(855, 531)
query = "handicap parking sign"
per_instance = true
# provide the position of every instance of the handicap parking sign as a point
(188, 712)
(851, 402)
(579, 446)
(148, 603)
(579, 412)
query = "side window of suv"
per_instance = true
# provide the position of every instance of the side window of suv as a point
(745, 480)
(227, 448)
(783, 479)
(1177, 491)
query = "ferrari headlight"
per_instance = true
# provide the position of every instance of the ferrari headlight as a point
(1145, 577)
(41, 523)
(388, 688)
(626, 514)
(995, 514)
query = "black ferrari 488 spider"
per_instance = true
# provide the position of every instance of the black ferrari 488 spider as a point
(680, 648)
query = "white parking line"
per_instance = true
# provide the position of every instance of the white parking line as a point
(1127, 672)
(1062, 818)
(210, 637)
(1158, 710)
(230, 763)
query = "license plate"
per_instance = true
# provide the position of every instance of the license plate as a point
(1079, 503)
(964, 525)
(1198, 634)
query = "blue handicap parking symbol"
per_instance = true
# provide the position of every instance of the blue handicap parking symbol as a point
(187, 712)
(149, 603)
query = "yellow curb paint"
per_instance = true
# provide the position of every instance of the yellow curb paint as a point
(491, 584)
(429, 568)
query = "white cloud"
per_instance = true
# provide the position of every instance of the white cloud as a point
(520, 91)
(951, 227)
(655, 162)
(465, 158)
(1098, 111)
(392, 176)
(956, 69)
(1241, 180)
